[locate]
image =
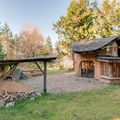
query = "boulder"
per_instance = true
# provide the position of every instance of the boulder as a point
(10, 104)
(2, 103)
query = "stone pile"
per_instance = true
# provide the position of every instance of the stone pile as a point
(10, 99)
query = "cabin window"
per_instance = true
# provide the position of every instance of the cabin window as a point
(104, 68)
(109, 50)
(106, 51)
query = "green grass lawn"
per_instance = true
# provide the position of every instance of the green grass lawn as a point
(92, 105)
(55, 72)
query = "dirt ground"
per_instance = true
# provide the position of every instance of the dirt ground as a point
(64, 82)
(11, 86)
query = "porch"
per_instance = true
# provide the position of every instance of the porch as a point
(110, 69)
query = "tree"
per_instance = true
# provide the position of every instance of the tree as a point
(6, 33)
(63, 48)
(31, 42)
(76, 24)
(49, 42)
(85, 20)
(2, 54)
(8, 40)
(107, 18)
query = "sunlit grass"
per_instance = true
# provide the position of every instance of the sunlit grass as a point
(54, 72)
(89, 105)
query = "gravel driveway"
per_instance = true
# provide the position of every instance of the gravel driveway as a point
(64, 82)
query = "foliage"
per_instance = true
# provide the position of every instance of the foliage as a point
(63, 47)
(85, 20)
(8, 41)
(2, 54)
(107, 18)
(88, 105)
(31, 42)
(49, 42)
(6, 33)
(54, 72)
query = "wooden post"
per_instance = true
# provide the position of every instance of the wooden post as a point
(45, 76)
(110, 73)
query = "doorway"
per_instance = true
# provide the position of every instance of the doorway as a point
(87, 69)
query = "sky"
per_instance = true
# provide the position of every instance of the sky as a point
(42, 13)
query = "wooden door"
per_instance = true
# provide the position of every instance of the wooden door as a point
(87, 69)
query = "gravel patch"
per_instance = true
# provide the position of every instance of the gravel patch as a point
(65, 82)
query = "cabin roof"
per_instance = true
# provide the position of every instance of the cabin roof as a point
(92, 45)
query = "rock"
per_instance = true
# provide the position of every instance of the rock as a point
(32, 98)
(10, 99)
(10, 104)
(38, 93)
(7, 98)
(2, 103)
(23, 76)
(0, 97)
(18, 74)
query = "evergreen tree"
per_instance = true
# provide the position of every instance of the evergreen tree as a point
(76, 25)
(49, 42)
(8, 40)
(2, 54)
(6, 33)
(107, 18)
(84, 21)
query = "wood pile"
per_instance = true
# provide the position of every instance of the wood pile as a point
(32, 73)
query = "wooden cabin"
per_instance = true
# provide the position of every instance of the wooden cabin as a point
(99, 59)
